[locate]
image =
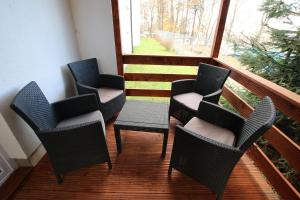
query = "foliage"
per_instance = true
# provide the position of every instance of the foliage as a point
(189, 18)
(276, 58)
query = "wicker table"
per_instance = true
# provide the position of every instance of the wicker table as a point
(143, 116)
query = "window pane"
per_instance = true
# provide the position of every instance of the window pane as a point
(161, 69)
(168, 27)
(263, 37)
(244, 20)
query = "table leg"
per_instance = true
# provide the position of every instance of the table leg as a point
(118, 139)
(164, 149)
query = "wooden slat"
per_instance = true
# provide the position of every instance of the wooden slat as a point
(156, 77)
(140, 173)
(278, 181)
(117, 35)
(239, 104)
(164, 60)
(148, 92)
(13, 182)
(220, 28)
(286, 101)
(283, 144)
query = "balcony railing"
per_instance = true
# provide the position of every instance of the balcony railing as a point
(285, 100)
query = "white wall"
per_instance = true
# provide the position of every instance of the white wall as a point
(9, 142)
(94, 31)
(37, 40)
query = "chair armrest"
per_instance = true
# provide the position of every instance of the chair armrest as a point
(76, 105)
(85, 89)
(60, 141)
(217, 115)
(213, 97)
(182, 86)
(112, 81)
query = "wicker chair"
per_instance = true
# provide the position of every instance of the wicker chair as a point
(208, 147)
(72, 130)
(109, 89)
(187, 94)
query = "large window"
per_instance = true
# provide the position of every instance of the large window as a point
(168, 27)
(244, 20)
(263, 36)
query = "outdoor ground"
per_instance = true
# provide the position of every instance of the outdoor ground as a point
(152, 46)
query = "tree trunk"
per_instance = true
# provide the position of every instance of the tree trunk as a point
(172, 16)
(209, 22)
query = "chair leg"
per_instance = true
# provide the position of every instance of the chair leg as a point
(219, 196)
(170, 170)
(109, 164)
(59, 179)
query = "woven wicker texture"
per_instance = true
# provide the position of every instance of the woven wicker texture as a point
(260, 120)
(88, 80)
(210, 78)
(32, 104)
(143, 116)
(86, 72)
(145, 113)
(69, 147)
(209, 83)
(209, 161)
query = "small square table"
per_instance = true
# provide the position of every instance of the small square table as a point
(143, 116)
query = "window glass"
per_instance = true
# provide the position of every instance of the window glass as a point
(263, 37)
(168, 27)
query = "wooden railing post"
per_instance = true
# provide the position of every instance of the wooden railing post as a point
(220, 28)
(117, 34)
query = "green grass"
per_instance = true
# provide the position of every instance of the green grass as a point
(152, 47)
(161, 69)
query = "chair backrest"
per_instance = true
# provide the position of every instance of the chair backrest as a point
(85, 71)
(261, 119)
(210, 78)
(31, 104)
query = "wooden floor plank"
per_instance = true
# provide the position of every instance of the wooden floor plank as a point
(139, 173)
(13, 182)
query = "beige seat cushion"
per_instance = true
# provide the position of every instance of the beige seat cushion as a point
(84, 118)
(191, 99)
(107, 94)
(211, 131)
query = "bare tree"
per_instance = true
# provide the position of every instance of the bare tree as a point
(206, 35)
(172, 16)
(161, 8)
(178, 8)
(237, 5)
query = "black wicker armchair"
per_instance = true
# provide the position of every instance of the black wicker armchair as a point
(208, 147)
(109, 89)
(72, 130)
(187, 94)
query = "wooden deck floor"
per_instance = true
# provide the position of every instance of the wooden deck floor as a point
(139, 173)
